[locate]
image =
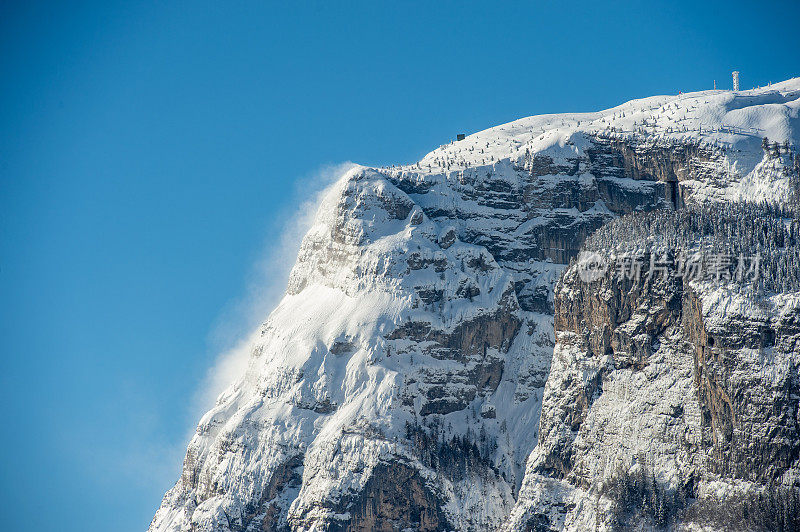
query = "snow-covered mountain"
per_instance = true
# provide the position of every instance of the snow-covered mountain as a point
(427, 370)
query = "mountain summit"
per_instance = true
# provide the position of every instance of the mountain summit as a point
(441, 362)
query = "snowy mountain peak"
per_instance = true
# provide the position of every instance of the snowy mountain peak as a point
(400, 382)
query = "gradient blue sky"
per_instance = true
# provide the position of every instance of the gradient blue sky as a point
(149, 159)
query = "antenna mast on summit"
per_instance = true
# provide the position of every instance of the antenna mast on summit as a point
(735, 80)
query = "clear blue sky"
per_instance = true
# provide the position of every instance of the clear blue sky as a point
(149, 156)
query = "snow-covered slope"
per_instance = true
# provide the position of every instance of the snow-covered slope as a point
(399, 383)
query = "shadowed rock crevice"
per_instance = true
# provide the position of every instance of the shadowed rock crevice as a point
(394, 498)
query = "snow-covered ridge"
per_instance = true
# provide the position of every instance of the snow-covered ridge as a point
(738, 120)
(416, 335)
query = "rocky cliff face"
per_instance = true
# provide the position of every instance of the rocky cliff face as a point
(422, 371)
(692, 385)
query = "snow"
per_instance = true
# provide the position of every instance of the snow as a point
(735, 121)
(326, 382)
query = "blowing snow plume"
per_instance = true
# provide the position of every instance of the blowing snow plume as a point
(265, 286)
